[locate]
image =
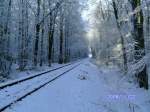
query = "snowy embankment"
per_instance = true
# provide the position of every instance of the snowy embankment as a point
(87, 89)
(16, 74)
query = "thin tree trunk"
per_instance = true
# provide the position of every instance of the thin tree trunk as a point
(36, 46)
(121, 37)
(61, 42)
(42, 37)
(51, 36)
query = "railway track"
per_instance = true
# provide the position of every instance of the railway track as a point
(16, 91)
(2, 86)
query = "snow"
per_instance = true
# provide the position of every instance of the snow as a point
(8, 95)
(86, 88)
(16, 74)
(123, 95)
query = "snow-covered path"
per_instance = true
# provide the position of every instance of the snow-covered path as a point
(86, 89)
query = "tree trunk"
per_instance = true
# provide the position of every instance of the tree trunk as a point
(121, 37)
(42, 37)
(138, 20)
(61, 42)
(23, 36)
(51, 36)
(41, 58)
(50, 43)
(36, 46)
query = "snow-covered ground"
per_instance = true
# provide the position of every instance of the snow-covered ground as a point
(87, 89)
(11, 94)
(15, 73)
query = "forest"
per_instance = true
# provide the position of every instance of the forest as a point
(95, 52)
(39, 32)
(121, 36)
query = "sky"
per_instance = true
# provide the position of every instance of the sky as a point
(87, 15)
